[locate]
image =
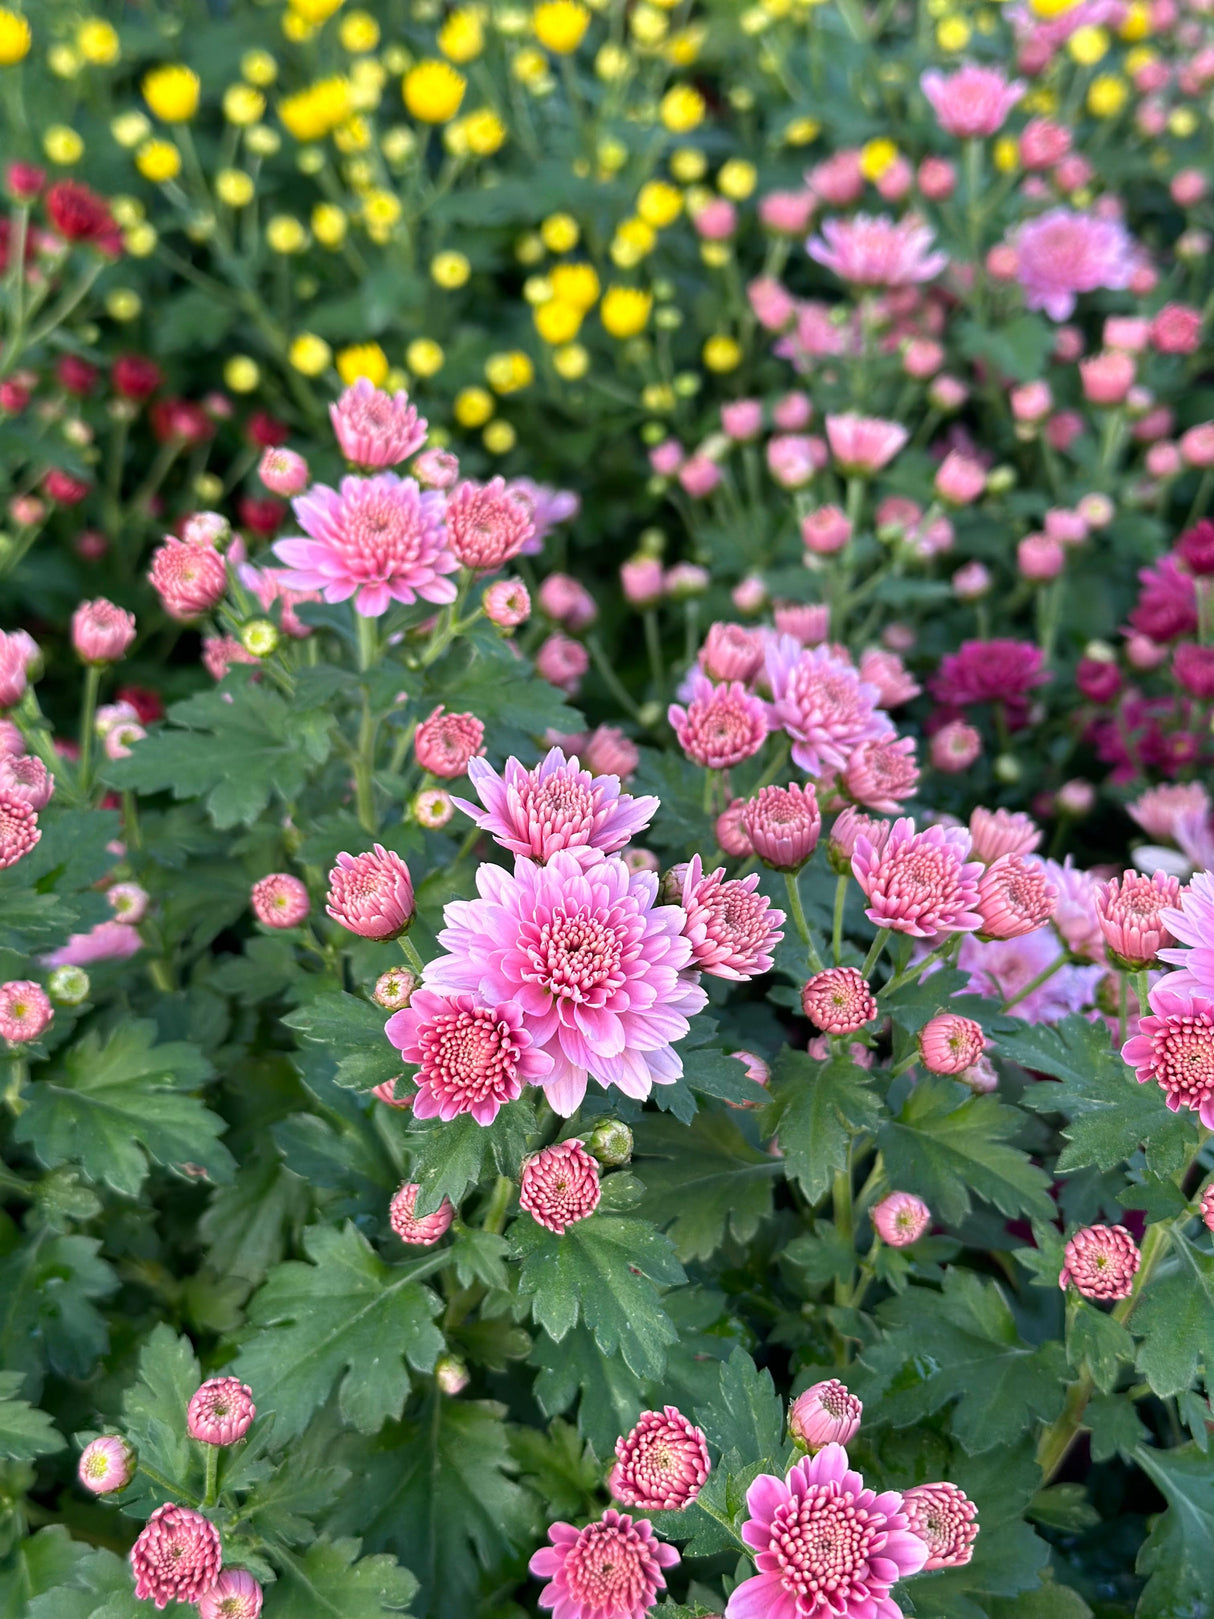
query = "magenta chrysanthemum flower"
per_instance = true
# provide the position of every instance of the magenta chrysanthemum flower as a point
(25, 776)
(470, 1059)
(877, 251)
(783, 824)
(593, 961)
(1174, 1046)
(371, 894)
(881, 774)
(732, 929)
(221, 1411)
(611, 1569)
(973, 102)
(375, 429)
(945, 1520)
(1192, 925)
(487, 524)
(557, 805)
(662, 1464)
(1014, 897)
(559, 1185)
(106, 1464)
(949, 1044)
(418, 1230)
(1102, 1261)
(279, 900)
(826, 1414)
(824, 1544)
(177, 1557)
(235, 1595)
(445, 743)
(377, 539)
(900, 1219)
(721, 725)
(25, 1011)
(838, 1000)
(864, 444)
(189, 579)
(920, 883)
(1132, 912)
(990, 672)
(1062, 253)
(996, 832)
(820, 701)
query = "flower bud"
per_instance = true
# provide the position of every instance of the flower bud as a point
(826, 1414)
(611, 1143)
(394, 989)
(69, 986)
(260, 637)
(451, 1374)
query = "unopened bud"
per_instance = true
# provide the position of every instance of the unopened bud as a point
(260, 637)
(394, 989)
(69, 986)
(106, 1464)
(1000, 479)
(611, 1143)
(1007, 768)
(450, 1374)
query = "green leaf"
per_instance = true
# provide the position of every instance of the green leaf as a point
(605, 1271)
(1065, 1507)
(48, 1286)
(560, 1466)
(816, 1109)
(747, 1415)
(1114, 1426)
(701, 1180)
(100, 1587)
(1048, 1601)
(948, 1151)
(354, 1030)
(446, 1159)
(610, 1396)
(154, 1414)
(1176, 1321)
(112, 1106)
(1178, 1555)
(347, 1320)
(33, 1582)
(249, 1222)
(331, 1581)
(25, 1431)
(1017, 348)
(1100, 1343)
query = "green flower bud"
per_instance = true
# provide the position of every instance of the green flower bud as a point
(611, 1142)
(260, 637)
(69, 986)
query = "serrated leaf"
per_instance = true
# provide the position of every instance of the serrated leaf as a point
(816, 1109)
(248, 1223)
(702, 1180)
(1114, 1426)
(446, 1159)
(1098, 1342)
(560, 1466)
(331, 1581)
(34, 1581)
(1175, 1320)
(49, 1285)
(25, 1431)
(154, 1410)
(1178, 1555)
(609, 1395)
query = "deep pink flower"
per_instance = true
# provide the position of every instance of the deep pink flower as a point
(559, 1185)
(25, 1011)
(418, 1230)
(732, 929)
(973, 102)
(820, 700)
(612, 1569)
(375, 429)
(945, 1520)
(556, 805)
(826, 1414)
(279, 900)
(1102, 1261)
(1193, 668)
(901, 1218)
(24, 775)
(106, 1464)
(1207, 1207)
(721, 725)
(662, 1464)
(371, 894)
(189, 579)
(877, 251)
(595, 964)
(1062, 253)
(221, 1411)
(949, 1044)
(235, 1595)
(18, 827)
(177, 1557)
(470, 1059)
(1167, 601)
(1174, 1046)
(101, 632)
(824, 1544)
(864, 444)
(487, 524)
(782, 825)
(997, 671)
(997, 832)
(445, 743)
(881, 774)
(920, 883)
(1176, 329)
(731, 833)
(838, 1000)
(1014, 897)
(1132, 911)
(377, 539)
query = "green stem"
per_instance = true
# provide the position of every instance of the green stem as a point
(797, 911)
(653, 643)
(836, 933)
(409, 951)
(1143, 984)
(18, 1073)
(211, 1492)
(609, 677)
(364, 758)
(917, 968)
(88, 709)
(1036, 983)
(159, 1479)
(495, 1214)
(874, 952)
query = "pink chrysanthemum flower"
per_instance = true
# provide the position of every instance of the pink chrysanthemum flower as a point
(900, 1219)
(721, 725)
(1159, 809)
(1062, 253)
(507, 603)
(883, 773)
(128, 901)
(557, 805)
(662, 1464)
(487, 524)
(973, 102)
(1014, 897)
(371, 894)
(1074, 919)
(838, 1000)
(377, 539)
(235, 1595)
(1102, 1261)
(593, 961)
(470, 1059)
(559, 1185)
(394, 989)
(105, 941)
(920, 883)
(864, 444)
(25, 1011)
(1004, 969)
(819, 699)
(101, 632)
(877, 251)
(888, 673)
(279, 900)
(731, 652)
(375, 429)
(1174, 1046)
(996, 832)
(189, 579)
(732, 929)
(177, 1557)
(611, 1569)
(1132, 911)
(418, 1230)
(949, 1044)
(945, 1520)
(826, 1414)
(221, 1411)
(445, 743)
(106, 1464)
(850, 825)
(1192, 925)
(782, 824)
(25, 776)
(824, 1544)
(1207, 1207)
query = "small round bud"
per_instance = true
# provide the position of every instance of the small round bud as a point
(69, 986)
(611, 1143)
(260, 637)
(220, 1411)
(432, 808)
(394, 989)
(826, 1414)
(451, 1374)
(1007, 768)
(106, 1464)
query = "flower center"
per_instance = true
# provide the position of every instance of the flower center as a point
(603, 1572)
(822, 1543)
(577, 958)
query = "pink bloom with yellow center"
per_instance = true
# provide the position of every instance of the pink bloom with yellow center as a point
(921, 883)
(1102, 1261)
(662, 1464)
(877, 251)
(559, 1185)
(1174, 1046)
(864, 444)
(1132, 911)
(221, 1411)
(487, 524)
(973, 102)
(721, 725)
(470, 1059)
(901, 1219)
(371, 894)
(838, 1000)
(945, 1520)
(1062, 253)
(782, 824)
(235, 1595)
(996, 832)
(177, 1557)
(418, 1230)
(25, 1011)
(824, 1544)
(189, 579)
(376, 429)
(445, 743)
(106, 1464)
(1014, 897)
(819, 699)
(882, 773)
(826, 1414)
(279, 900)
(557, 805)
(377, 539)
(732, 928)
(949, 1044)
(611, 1569)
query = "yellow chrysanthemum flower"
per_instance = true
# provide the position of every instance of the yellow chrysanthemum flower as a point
(1007, 154)
(97, 42)
(313, 113)
(737, 179)
(310, 354)
(683, 48)
(433, 91)
(129, 128)
(140, 241)
(242, 105)
(877, 158)
(484, 133)
(953, 34)
(1182, 122)
(362, 360)
(659, 204)
(571, 362)
(242, 374)
(450, 270)
(802, 132)
(359, 33)
(507, 373)
(681, 109)
(124, 303)
(575, 284)
(556, 321)
(611, 62)
(15, 37)
(1107, 95)
(560, 25)
(62, 145)
(234, 187)
(315, 12)
(329, 224)
(171, 92)
(424, 357)
(381, 213)
(462, 37)
(722, 353)
(648, 26)
(499, 438)
(473, 407)
(259, 68)
(64, 61)
(286, 234)
(625, 311)
(1088, 45)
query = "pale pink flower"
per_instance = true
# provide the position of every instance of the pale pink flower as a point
(825, 530)
(954, 747)
(850, 825)
(1102, 1261)
(1192, 925)
(470, 1059)
(1014, 897)
(375, 429)
(562, 662)
(864, 444)
(567, 601)
(824, 1544)
(973, 102)
(998, 832)
(177, 1557)
(418, 1230)
(838, 179)
(433, 807)
(901, 1218)
(921, 883)
(877, 251)
(1174, 1046)
(731, 652)
(826, 1414)
(487, 524)
(221, 1411)
(451, 1375)
(1107, 378)
(742, 419)
(235, 1595)
(371, 894)
(556, 805)
(881, 774)
(949, 1044)
(105, 941)
(279, 900)
(206, 528)
(507, 603)
(643, 580)
(25, 776)
(721, 725)
(106, 1464)
(189, 579)
(128, 901)
(886, 671)
(1075, 920)
(101, 632)
(18, 827)
(960, 478)
(1159, 809)
(788, 213)
(445, 744)
(782, 825)
(559, 1185)
(661, 1464)
(792, 459)
(612, 1569)
(731, 833)
(14, 671)
(820, 700)
(121, 738)
(1062, 253)
(1207, 1207)
(807, 622)
(377, 539)
(221, 652)
(12, 742)
(284, 472)
(1133, 912)
(838, 1000)
(605, 751)
(945, 1520)
(394, 989)
(732, 929)
(1003, 969)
